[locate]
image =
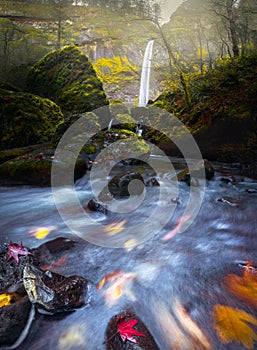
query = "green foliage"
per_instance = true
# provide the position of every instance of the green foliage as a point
(26, 119)
(68, 78)
(228, 91)
(112, 70)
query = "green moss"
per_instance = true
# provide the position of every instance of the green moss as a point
(26, 119)
(67, 77)
(27, 171)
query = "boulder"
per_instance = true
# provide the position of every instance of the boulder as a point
(119, 184)
(67, 77)
(35, 169)
(26, 119)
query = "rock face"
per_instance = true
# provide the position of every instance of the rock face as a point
(26, 119)
(67, 77)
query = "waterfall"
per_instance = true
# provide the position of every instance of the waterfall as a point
(110, 124)
(145, 75)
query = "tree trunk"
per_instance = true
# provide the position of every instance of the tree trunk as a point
(232, 27)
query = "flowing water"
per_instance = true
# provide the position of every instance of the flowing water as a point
(172, 285)
(145, 75)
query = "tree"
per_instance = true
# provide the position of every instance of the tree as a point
(228, 11)
(9, 34)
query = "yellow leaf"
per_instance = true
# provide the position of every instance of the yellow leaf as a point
(244, 287)
(232, 325)
(115, 227)
(42, 232)
(5, 300)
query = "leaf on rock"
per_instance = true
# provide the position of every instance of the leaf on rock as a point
(232, 325)
(14, 250)
(244, 287)
(127, 332)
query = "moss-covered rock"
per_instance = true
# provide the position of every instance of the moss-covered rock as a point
(26, 119)
(132, 145)
(89, 118)
(67, 77)
(35, 169)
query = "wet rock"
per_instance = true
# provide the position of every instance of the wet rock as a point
(230, 201)
(143, 342)
(52, 251)
(11, 273)
(35, 169)
(192, 177)
(119, 184)
(152, 182)
(251, 190)
(15, 316)
(52, 292)
(93, 205)
(15, 320)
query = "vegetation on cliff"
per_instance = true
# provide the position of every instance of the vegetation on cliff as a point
(222, 109)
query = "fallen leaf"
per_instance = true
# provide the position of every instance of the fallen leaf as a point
(190, 326)
(232, 325)
(14, 250)
(42, 232)
(244, 287)
(176, 229)
(179, 330)
(115, 227)
(5, 300)
(119, 283)
(126, 331)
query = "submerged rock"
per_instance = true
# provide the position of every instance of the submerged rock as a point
(52, 292)
(196, 173)
(93, 205)
(119, 184)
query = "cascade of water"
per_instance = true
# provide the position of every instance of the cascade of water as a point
(145, 75)
(110, 124)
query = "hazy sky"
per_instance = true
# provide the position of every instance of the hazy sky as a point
(170, 7)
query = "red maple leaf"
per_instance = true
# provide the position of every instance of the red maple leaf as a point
(125, 330)
(14, 250)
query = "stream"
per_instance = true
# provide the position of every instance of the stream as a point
(171, 284)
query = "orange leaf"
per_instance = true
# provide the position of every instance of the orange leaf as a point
(244, 287)
(119, 283)
(232, 325)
